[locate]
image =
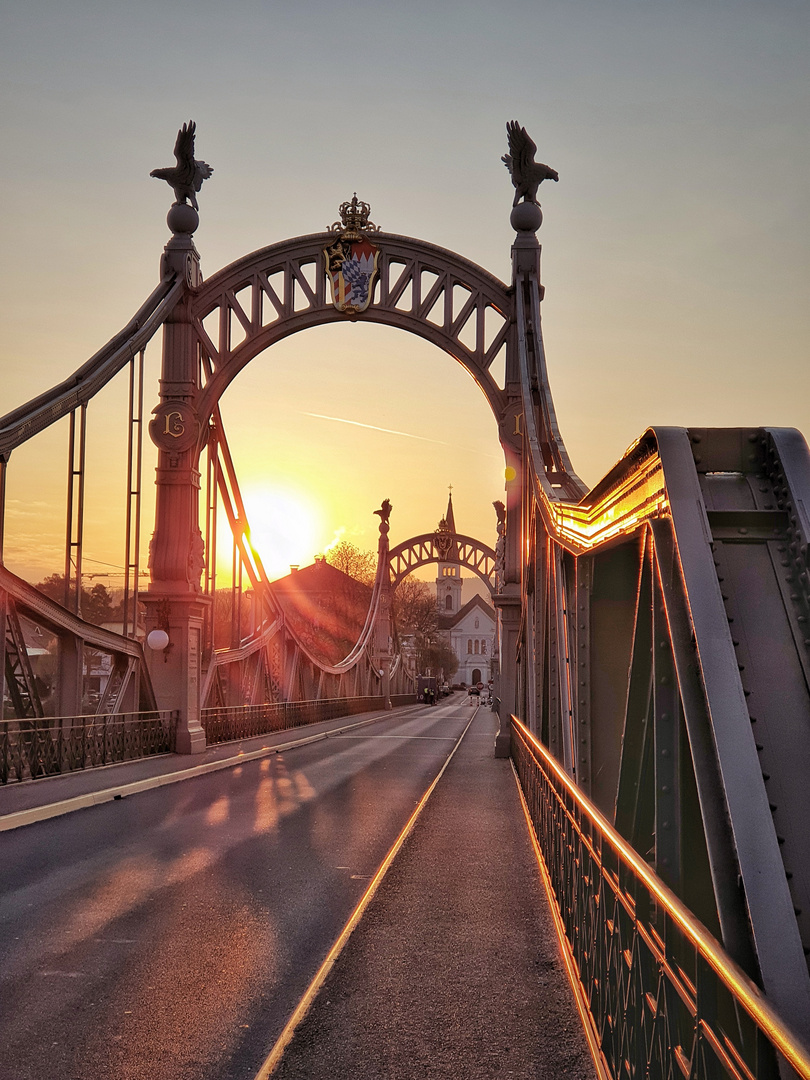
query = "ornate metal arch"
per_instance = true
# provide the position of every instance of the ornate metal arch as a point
(279, 290)
(421, 550)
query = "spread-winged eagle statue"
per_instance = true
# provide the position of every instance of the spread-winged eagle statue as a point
(187, 176)
(527, 174)
(384, 513)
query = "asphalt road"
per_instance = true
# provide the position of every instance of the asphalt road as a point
(170, 935)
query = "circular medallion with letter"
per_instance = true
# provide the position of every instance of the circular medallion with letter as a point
(174, 426)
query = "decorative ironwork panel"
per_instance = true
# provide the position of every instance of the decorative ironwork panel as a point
(228, 724)
(421, 550)
(44, 747)
(422, 288)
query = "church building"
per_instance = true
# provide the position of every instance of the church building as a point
(470, 627)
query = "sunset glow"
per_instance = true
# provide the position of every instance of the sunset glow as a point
(286, 529)
(646, 261)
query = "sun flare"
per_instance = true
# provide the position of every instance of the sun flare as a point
(285, 529)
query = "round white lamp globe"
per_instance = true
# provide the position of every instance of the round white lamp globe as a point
(157, 640)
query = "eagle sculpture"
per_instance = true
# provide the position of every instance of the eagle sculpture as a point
(187, 176)
(384, 513)
(527, 174)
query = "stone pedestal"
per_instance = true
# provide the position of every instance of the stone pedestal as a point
(175, 670)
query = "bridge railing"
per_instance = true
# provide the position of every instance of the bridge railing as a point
(658, 994)
(230, 723)
(39, 747)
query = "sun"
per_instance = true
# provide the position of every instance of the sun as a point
(285, 529)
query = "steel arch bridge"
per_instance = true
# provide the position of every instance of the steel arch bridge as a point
(652, 630)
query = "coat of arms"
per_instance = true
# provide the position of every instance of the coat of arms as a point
(351, 261)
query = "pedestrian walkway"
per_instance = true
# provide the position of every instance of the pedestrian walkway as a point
(455, 969)
(36, 800)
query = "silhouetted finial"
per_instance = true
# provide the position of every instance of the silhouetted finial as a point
(527, 174)
(384, 513)
(186, 177)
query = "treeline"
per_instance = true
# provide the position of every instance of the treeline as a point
(98, 605)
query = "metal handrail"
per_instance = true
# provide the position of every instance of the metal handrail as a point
(591, 830)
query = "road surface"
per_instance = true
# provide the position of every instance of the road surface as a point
(171, 934)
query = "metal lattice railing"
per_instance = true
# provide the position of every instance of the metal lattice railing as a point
(44, 747)
(229, 723)
(659, 993)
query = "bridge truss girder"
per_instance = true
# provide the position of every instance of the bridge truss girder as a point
(128, 688)
(643, 662)
(667, 668)
(273, 667)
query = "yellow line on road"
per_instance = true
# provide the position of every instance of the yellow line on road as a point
(311, 992)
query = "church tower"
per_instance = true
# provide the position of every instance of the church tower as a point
(448, 582)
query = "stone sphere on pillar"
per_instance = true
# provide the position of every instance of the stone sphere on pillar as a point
(526, 217)
(182, 218)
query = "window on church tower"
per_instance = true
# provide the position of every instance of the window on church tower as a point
(448, 602)
(476, 624)
(476, 644)
(469, 645)
(483, 648)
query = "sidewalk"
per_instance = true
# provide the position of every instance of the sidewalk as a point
(454, 969)
(35, 800)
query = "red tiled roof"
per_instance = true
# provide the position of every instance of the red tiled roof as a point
(324, 607)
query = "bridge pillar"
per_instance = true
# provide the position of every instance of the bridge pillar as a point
(174, 600)
(508, 597)
(508, 604)
(175, 670)
(69, 684)
(383, 631)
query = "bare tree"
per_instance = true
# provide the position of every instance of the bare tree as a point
(414, 608)
(360, 565)
(417, 617)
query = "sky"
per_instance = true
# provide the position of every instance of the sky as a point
(676, 246)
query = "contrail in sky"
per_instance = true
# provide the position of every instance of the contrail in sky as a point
(373, 427)
(404, 434)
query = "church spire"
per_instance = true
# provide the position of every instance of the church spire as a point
(448, 582)
(445, 542)
(448, 517)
